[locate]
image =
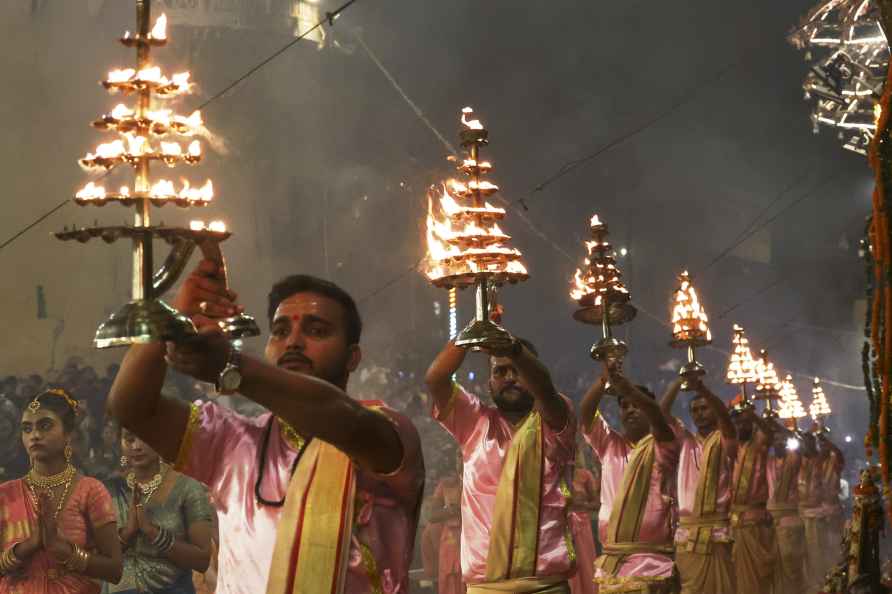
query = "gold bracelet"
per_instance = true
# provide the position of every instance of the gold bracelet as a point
(9, 561)
(78, 560)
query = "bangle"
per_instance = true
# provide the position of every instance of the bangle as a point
(8, 561)
(164, 541)
(78, 561)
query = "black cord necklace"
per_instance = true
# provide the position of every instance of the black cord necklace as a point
(262, 463)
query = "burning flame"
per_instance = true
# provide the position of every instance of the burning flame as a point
(600, 276)
(482, 186)
(819, 407)
(471, 124)
(741, 367)
(790, 405)
(164, 189)
(159, 31)
(91, 192)
(195, 148)
(460, 244)
(194, 121)
(766, 375)
(469, 163)
(451, 207)
(689, 321)
(107, 150)
(121, 112)
(121, 76)
(151, 74)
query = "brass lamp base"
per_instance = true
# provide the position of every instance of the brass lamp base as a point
(482, 335)
(609, 348)
(240, 326)
(143, 321)
(691, 371)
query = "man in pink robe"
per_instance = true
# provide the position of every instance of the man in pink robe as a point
(783, 504)
(640, 561)
(249, 463)
(751, 527)
(520, 387)
(703, 539)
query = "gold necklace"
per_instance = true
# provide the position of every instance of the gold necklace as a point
(51, 482)
(34, 488)
(290, 435)
(147, 489)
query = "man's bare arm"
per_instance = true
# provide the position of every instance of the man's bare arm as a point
(668, 399)
(549, 403)
(135, 400)
(659, 425)
(592, 401)
(316, 408)
(726, 425)
(439, 375)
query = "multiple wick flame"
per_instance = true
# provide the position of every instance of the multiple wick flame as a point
(463, 236)
(767, 382)
(599, 280)
(742, 367)
(145, 135)
(689, 321)
(819, 407)
(163, 190)
(790, 405)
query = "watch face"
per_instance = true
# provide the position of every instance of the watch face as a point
(230, 380)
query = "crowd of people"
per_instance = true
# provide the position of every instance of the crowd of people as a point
(171, 473)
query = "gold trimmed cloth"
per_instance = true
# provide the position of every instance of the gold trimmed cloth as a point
(313, 540)
(740, 490)
(186, 441)
(705, 517)
(514, 536)
(525, 585)
(628, 511)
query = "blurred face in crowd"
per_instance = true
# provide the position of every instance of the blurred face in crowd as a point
(703, 416)
(744, 424)
(109, 434)
(139, 455)
(507, 388)
(43, 435)
(635, 424)
(309, 335)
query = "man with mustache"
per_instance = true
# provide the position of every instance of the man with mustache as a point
(703, 541)
(638, 468)
(321, 494)
(517, 455)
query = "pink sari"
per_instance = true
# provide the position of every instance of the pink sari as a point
(89, 506)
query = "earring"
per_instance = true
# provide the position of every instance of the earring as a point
(68, 453)
(124, 461)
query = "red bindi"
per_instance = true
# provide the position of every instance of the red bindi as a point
(296, 318)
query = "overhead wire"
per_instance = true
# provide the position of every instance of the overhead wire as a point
(329, 18)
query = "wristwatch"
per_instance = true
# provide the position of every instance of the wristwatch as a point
(230, 378)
